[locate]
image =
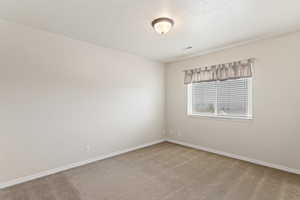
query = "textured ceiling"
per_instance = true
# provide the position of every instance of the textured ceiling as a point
(125, 24)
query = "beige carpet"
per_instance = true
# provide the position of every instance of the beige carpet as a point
(164, 172)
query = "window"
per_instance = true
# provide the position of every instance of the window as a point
(229, 99)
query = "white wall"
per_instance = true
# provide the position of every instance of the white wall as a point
(274, 133)
(58, 95)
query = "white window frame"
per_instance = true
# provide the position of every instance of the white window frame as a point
(216, 115)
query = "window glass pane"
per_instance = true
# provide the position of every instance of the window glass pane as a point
(232, 97)
(203, 97)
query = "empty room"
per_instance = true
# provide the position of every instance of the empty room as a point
(149, 100)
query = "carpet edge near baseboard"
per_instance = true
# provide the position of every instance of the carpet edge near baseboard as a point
(41, 174)
(235, 156)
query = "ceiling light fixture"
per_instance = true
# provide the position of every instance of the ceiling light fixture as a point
(162, 25)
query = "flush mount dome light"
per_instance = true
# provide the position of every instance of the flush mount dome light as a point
(162, 25)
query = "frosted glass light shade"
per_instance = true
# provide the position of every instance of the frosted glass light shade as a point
(162, 25)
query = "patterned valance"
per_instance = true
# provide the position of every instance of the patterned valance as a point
(233, 70)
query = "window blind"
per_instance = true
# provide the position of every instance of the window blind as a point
(221, 98)
(232, 98)
(204, 97)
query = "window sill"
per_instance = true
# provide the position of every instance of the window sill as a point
(221, 116)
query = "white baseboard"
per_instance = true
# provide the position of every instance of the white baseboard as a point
(70, 166)
(81, 163)
(258, 162)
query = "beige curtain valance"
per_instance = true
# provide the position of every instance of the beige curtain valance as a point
(233, 70)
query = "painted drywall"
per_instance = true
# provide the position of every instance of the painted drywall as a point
(273, 135)
(64, 101)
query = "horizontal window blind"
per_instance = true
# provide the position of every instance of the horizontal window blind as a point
(232, 98)
(204, 97)
(221, 98)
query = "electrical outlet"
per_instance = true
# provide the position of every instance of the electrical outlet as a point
(87, 148)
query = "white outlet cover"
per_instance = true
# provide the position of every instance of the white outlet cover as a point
(87, 148)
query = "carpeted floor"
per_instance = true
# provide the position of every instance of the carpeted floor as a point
(162, 172)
